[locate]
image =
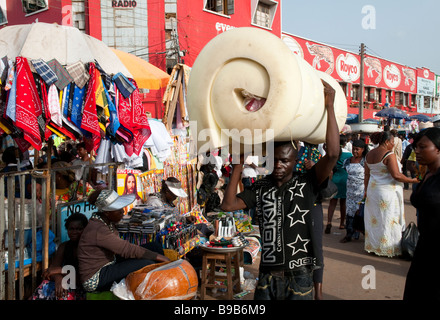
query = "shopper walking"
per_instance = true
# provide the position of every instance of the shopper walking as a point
(355, 185)
(383, 214)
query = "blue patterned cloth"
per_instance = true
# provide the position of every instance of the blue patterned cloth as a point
(123, 84)
(45, 72)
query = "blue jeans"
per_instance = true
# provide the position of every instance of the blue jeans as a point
(289, 285)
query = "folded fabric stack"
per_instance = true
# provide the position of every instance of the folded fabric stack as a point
(78, 101)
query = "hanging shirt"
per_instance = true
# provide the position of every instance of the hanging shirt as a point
(54, 105)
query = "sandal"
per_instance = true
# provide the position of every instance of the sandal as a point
(328, 228)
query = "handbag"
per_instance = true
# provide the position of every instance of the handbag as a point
(410, 236)
(358, 220)
(330, 191)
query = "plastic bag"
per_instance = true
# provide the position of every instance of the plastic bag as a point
(410, 236)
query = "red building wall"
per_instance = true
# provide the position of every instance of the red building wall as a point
(53, 14)
(58, 11)
(196, 26)
(156, 34)
(93, 18)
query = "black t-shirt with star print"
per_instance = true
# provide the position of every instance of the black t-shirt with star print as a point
(286, 225)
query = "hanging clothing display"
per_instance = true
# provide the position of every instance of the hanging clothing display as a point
(160, 141)
(53, 103)
(89, 120)
(28, 106)
(78, 73)
(45, 72)
(64, 78)
(79, 101)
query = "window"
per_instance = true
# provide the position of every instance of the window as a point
(262, 16)
(264, 13)
(2, 16)
(31, 6)
(426, 102)
(344, 87)
(413, 100)
(355, 92)
(220, 6)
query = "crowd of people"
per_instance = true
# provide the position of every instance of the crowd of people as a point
(369, 171)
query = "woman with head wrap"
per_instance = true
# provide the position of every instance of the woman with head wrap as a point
(355, 185)
(421, 281)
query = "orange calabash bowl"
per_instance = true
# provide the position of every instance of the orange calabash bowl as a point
(175, 280)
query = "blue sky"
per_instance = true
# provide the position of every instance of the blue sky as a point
(406, 32)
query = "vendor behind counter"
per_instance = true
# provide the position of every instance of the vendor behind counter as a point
(170, 191)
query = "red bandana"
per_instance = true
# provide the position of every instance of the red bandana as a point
(132, 115)
(90, 118)
(28, 104)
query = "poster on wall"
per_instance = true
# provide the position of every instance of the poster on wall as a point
(128, 182)
(425, 90)
(151, 182)
(66, 210)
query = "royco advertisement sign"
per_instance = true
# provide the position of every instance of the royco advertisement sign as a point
(345, 66)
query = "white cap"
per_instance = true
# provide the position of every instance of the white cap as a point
(176, 188)
(109, 200)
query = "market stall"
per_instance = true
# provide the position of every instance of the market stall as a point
(58, 84)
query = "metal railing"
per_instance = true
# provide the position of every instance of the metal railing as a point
(20, 214)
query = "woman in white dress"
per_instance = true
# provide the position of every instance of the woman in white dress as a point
(383, 213)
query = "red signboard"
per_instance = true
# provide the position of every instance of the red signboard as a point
(390, 75)
(344, 66)
(425, 73)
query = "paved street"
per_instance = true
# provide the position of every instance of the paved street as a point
(344, 262)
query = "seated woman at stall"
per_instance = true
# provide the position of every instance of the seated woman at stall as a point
(103, 256)
(66, 255)
(170, 191)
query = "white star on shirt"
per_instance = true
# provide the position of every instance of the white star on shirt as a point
(302, 213)
(293, 189)
(301, 246)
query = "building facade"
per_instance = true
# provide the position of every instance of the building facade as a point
(167, 32)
